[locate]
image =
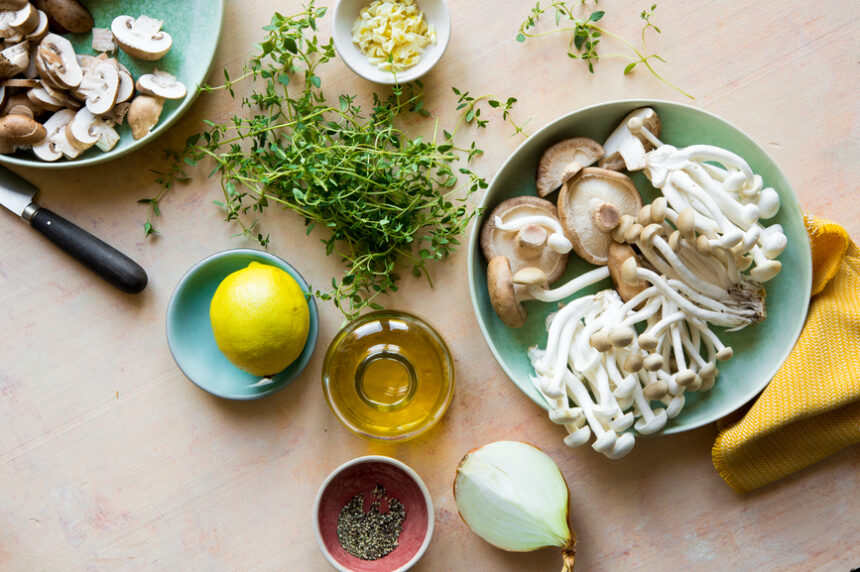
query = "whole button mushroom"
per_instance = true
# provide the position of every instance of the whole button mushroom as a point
(141, 38)
(12, 4)
(66, 15)
(19, 131)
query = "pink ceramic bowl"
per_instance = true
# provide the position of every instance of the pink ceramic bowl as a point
(361, 475)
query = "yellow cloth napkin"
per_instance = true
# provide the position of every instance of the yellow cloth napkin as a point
(811, 408)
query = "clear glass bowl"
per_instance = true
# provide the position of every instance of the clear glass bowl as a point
(388, 376)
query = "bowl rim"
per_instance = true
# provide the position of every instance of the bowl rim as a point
(313, 331)
(434, 333)
(411, 74)
(428, 501)
(635, 102)
(180, 110)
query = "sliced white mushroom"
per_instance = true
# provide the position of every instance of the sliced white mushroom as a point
(63, 96)
(65, 146)
(103, 40)
(101, 86)
(20, 104)
(108, 136)
(48, 150)
(87, 62)
(141, 38)
(126, 86)
(44, 100)
(56, 61)
(160, 84)
(14, 60)
(117, 115)
(19, 23)
(81, 131)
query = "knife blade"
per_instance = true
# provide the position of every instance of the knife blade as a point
(17, 194)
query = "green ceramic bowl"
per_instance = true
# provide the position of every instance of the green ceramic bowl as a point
(194, 25)
(759, 350)
(189, 331)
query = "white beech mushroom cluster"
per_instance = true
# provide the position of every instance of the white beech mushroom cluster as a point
(59, 103)
(621, 360)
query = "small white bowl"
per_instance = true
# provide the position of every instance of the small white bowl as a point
(346, 13)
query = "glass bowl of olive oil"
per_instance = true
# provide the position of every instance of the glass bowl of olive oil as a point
(388, 376)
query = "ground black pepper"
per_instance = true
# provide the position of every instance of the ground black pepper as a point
(370, 535)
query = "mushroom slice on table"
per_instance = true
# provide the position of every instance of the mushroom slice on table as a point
(160, 84)
(590, 206)
(623, 148)
(563, 160)
(527, 231)
(141, 38)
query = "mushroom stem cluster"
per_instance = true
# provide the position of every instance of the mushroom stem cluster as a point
(596, 357)
(714, 198)
(622, 360)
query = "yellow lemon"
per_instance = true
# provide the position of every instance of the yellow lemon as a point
(260, 319)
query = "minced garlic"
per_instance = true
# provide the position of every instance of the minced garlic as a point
(392, 34)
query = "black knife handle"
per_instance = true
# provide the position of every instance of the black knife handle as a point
(101, 258)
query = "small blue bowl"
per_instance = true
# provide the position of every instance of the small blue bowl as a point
(189, 332)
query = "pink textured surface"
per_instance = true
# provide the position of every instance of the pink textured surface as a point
(111, 460)
(362, 478)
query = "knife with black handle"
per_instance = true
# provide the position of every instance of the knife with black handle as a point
(16, 194)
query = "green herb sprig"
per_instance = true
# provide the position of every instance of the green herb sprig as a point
(383, 198)
(586, 34)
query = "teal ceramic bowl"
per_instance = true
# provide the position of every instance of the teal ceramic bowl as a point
(194, 25)
(759, 350)
(189, 332)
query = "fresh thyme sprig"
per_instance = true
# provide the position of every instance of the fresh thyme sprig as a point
(470, 111)
(383, 198)
(586, 34)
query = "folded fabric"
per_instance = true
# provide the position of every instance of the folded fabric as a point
(811, 408)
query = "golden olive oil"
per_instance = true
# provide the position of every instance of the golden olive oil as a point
(388, 375)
